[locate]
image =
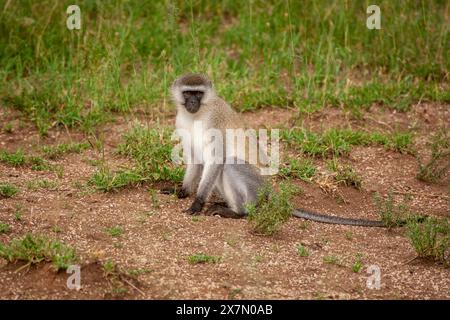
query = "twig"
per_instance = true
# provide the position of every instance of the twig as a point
(133, 286)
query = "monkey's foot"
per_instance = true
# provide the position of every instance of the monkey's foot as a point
(178, 191)
(195, 208)
(223, 211)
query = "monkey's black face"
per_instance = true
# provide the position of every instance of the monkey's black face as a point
(192, 100)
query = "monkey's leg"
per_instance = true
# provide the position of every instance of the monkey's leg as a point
(239, 186)
(190, 182)
(210, 174)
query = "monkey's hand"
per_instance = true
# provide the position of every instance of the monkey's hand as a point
(196, 207)
(180, 192)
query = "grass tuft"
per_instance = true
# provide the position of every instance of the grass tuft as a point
(34, 249)
(431, 238)
(437, 167)
(203, 258)
(8, 190)
(14, 159)
(54, 152)
(302, 251)
(272, 209)
(4, 228)
(300, 169)
(336, 142)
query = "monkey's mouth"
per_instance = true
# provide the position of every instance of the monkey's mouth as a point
(192, 106)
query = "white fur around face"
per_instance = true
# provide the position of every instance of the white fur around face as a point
(177, 93)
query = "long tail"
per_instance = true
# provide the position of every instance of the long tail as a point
(336, 220)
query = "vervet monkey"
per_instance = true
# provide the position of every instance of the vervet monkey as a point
(237, 182)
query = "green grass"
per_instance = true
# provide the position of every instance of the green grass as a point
(19, 159)
(34, 249)
(358, 264)
(345, 174)
(272, 209)
(106, 180)
(14, 159)
(8, 127)
(336, 142)
(302, 251)
(4, 228)
(139, 271)
(315, 54)
(56, 151)
(109, 268)
(39, 164)
(41, 184)
(392, 214)
(8, 190)
(151, 149)
(115, 231)
(436, 168)
(331, 259)
(431, 238)
(203, 258)
(301, 169)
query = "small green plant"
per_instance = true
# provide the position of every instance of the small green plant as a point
(8, 190)
(56, 229)
(304, 225)
(18, 214)
(345, 174)
(39, 164)
(14, 159)
(302, 251)
(437, 167)
(391, 214)
(331, 259)
(358, 264)
(4, 228)
(115, 231)
(154, 197)
(42, 184)
(430, 238)
(203, 258)
(258, 258)
(302, 169)
(34, 249)
(232, 241)
(233, 293)
(54, 152)
(106, 180)
(349, 235)
(272, 209)
(109, 268)
(8, 127)
(198, 219)
(139, 271)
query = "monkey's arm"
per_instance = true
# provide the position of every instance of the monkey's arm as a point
(192, 177)
(209, 176)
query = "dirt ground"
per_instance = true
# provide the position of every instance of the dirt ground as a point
(159, 240)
